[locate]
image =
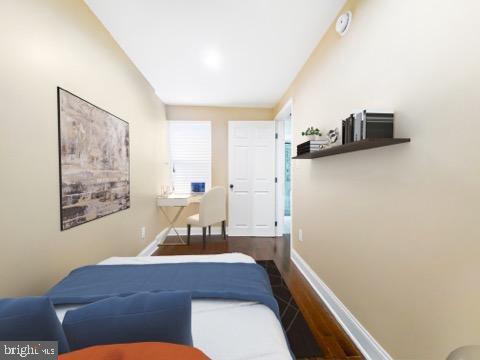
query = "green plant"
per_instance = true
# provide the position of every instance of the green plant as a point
(311, 131)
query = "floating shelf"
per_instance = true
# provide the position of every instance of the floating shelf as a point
(353, 146)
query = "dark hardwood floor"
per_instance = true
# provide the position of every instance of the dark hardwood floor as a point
(330, 336)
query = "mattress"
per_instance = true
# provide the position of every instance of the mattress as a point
(222, 329)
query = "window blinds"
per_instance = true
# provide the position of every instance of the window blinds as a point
(190, 154)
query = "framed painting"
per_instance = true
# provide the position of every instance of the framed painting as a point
(94, 157)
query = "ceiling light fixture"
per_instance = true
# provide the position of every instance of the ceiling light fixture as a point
(212, 59)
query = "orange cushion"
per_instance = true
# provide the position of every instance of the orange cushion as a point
(146, 351)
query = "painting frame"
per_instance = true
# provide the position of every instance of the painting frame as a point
(61, 171)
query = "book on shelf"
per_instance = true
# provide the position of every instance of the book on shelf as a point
(347, 129)
(314, 142)
(301, 152)
(357, 126)
(310, 146)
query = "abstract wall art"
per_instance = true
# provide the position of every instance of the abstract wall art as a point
(94, 155)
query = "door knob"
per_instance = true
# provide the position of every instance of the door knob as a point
(231, 186)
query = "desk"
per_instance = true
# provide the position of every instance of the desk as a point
(179, 201)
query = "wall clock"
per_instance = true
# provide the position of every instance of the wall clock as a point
(343, 23)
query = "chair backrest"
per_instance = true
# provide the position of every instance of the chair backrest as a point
(471, 352)
(213, 206)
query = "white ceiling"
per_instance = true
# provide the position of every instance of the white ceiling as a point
(218, 52)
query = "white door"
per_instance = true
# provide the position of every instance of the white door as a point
(251, 163)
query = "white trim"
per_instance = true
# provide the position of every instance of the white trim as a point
(150, 249)
(160, 238)
(286, 111)
(280, 175)
(216, 230)
(369, 347)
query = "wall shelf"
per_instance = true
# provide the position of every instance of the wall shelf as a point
(353, 146)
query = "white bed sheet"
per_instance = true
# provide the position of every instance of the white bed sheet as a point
(222, 329)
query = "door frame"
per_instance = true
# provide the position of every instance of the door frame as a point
(287, 110)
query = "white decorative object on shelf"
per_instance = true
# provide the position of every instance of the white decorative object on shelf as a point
(332, 136)
(343, 23)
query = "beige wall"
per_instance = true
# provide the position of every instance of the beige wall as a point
(219, 117)
(45, 44)
(394, 231)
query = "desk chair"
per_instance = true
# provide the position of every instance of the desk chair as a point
(471, 352)
(212, 211)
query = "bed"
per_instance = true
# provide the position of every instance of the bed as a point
(222, 329)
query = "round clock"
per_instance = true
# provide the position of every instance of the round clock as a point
(343, 23)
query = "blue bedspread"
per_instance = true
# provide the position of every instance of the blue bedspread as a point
(236, 281)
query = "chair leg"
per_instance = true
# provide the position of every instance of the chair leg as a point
(204, 231)
(224, 232)
(189, 230)
(209, 230)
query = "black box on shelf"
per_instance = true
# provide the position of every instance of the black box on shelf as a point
(377, 125)
(367, 125)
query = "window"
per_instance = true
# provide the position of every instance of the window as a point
(190, 154)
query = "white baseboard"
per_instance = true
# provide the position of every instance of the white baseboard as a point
(369, 347)
(160, 238)
(153, 246)
(150, 249)
(216, 230)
